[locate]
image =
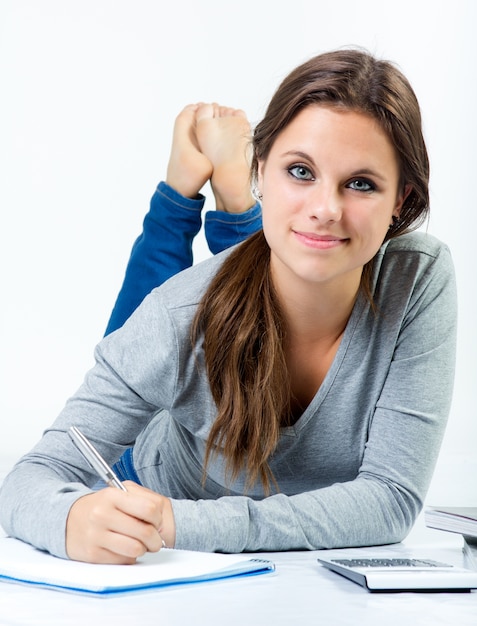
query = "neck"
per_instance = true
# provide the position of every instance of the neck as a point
(318, 312)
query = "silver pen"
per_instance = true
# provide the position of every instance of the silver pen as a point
(95, 459)
(97, 462)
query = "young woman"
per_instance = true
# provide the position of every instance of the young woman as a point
(292, 392)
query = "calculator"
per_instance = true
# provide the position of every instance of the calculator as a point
(402, 574)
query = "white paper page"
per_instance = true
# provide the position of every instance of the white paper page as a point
(21, 561)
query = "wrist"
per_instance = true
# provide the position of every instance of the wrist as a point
(183, 188)
(167, 529)
(177, 198)
(230, 202)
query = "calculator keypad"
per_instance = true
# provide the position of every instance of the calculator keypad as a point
(353, 563)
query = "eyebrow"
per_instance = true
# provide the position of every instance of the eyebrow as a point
(368, 172)
(365, 171)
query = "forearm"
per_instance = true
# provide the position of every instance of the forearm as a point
(38, 515)
(359, 513)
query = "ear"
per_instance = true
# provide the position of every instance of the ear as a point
(260, 172)
(401, 199)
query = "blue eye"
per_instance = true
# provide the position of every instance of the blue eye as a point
(361, 184)
(300, 172)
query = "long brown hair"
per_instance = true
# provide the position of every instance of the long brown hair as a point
(239, 319)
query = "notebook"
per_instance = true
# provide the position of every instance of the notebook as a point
(401, 574)
(21, 563)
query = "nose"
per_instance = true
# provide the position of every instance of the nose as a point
(324, 204)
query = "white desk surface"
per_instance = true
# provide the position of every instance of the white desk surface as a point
(299, 592)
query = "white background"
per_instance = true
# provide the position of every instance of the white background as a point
(89, 93)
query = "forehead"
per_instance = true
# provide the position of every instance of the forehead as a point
(318, 128)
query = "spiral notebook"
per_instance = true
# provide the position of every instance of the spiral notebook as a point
(21, 563)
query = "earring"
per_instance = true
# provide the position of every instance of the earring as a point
(257, 194)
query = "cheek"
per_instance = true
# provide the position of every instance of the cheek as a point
(275, 222)
(374, 232)
(279, 203)
(269, 219)
(372, 221)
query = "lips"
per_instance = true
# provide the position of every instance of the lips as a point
(319, 241)
(318, 237)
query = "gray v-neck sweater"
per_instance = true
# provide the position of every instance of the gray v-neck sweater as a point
(352, 471)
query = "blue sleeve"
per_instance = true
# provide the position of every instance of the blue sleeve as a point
(164, 247)
(223, 230)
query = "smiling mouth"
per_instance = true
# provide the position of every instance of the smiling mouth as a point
(319, 242)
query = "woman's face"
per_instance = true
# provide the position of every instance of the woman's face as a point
(330, 190)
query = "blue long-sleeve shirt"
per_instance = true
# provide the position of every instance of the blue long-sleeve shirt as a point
(164, 247)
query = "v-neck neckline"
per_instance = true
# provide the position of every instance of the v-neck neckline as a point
(322, 392)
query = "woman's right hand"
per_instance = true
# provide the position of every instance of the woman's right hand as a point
(117, 527)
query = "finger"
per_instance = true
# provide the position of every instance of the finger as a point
(99, 554)
(124, 552)
(103, 557)
(142, 503)
(136, 513)
(111, 558)
(132, 537)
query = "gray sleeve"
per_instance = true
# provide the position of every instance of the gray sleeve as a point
(405, 434)
(118, 397)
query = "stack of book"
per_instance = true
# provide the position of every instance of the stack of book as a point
(462, 520)
(470, 552)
